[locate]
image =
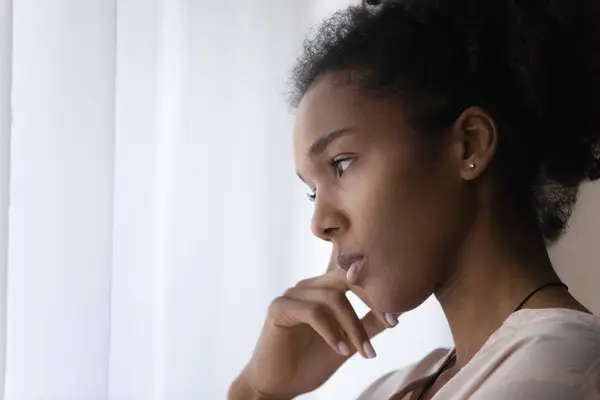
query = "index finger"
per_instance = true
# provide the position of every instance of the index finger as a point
(389, 320)
(332, 279)
(334, 273)
(332, 262)
(335, 278)
(359, 292)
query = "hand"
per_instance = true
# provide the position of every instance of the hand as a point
(309, 333)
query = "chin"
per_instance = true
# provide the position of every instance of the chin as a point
(393, 299)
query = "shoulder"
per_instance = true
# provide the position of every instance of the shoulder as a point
(392, 382)
(549, 354)
(554, 336)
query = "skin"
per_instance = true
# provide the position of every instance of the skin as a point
(428, 215)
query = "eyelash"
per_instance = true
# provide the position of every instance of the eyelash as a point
(335, 165)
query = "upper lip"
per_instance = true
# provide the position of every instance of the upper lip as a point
(345, 261)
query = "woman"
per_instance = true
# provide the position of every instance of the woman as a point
(443, 142)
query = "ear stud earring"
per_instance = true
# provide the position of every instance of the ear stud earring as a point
(472, 165)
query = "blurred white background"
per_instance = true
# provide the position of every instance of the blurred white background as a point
(154, 210)
(145, 147)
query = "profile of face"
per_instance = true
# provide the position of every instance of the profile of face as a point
(396, 201)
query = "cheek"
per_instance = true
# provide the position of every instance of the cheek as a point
(402, 203)
(411, 224)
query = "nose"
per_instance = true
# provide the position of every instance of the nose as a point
(327, 221)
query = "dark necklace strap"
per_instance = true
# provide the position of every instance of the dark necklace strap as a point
(530, 295)
(452, 355)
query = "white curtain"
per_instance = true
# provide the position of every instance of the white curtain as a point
(5, 124)
(154, 211)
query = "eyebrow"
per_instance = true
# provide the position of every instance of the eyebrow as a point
(320, 145)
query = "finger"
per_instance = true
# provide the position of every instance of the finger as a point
(343, 312)
(286, 312)
(333, 279)
(388, 319)
(372, 324)
(332, 262)
(336, 279)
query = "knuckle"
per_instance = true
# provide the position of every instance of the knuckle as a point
(276, 306)
(303, 283)
(317, 312)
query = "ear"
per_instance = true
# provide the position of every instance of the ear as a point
(476, 138)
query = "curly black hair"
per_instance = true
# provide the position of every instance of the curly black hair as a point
(534, 65)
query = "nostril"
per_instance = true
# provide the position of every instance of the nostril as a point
(329, 232)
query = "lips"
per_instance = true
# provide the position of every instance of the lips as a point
(352, 264)
(346, 261)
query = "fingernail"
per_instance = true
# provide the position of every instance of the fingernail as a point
(369, 350)
(343, 349)
(392, 319)
(352, 273)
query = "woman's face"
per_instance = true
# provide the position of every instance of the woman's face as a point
(387, 197)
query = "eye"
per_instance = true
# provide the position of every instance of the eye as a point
(341, 165)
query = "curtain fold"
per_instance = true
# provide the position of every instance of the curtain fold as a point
(61, 224)
(5, 132)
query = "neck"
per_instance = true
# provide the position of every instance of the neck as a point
(496, 270)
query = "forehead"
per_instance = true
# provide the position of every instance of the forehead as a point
(326, 107)
(332, 104)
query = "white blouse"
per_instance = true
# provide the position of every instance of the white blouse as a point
(550, 354)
